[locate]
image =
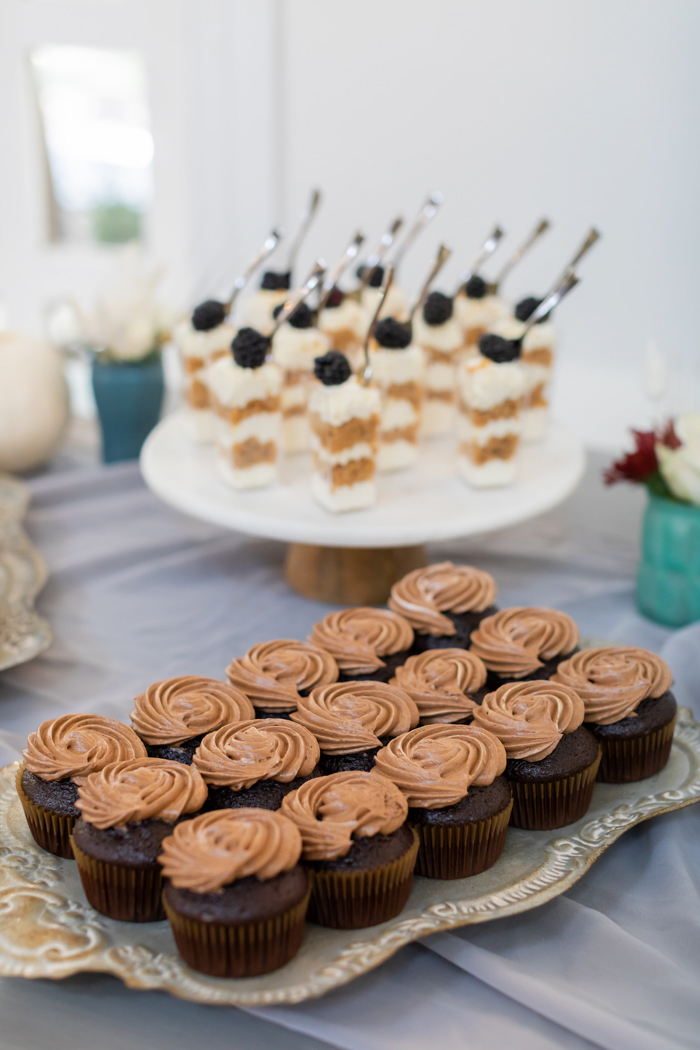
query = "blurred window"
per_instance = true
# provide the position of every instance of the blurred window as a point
(98, 146)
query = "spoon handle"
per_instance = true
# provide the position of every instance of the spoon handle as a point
(388, 278)
(541, 228)
(593, 236)
(269, 245)
(385, 243)
(427, 212)
(307, 218)
(488, 248)
(569, 280)
(334, 275)
(298, 296)
(442, 256)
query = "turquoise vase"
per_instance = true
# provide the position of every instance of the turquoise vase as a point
(668, 579)
(129, 400)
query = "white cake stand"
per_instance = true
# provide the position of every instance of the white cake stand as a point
(355, 557)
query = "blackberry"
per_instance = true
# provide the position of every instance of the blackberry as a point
(437, 308)
(274, 281)
(393, 334)
(335, 298)
(250, 348)
(208, 315)
(498, 349)
(475, 288)
(302, 317)
(526, 308)
(332, 369)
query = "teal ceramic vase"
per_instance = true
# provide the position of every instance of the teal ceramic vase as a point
(129, 400)
(668, 579)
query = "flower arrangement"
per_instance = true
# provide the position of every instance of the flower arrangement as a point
(666, 461)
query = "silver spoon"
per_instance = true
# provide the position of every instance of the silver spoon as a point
(385, 243)
(442, 256)
(541, 228)
(305, 221)
(568, 281)
(239, 284)
(488, 248)
(298, 296)
(367, 371)
(334, 275)
(593, 236)
(427, 212)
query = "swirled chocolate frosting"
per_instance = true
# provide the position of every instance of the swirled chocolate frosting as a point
(424, 594)
(514, 642)
(239, 755)
(275, 674)
(530, 717)
(357, 638)
(332, 811)
(612, 681)
(73, 746)
(441, 681)
(352, 716)
(142, 789)
(434, 766)
(178, 709)
(209, 852)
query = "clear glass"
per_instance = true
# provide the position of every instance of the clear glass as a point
(98, 146)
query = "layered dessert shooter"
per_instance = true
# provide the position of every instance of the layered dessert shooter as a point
(395, 302)
(537, 359)
(477, 310)
(342, 320)
(246, 397)
(258, 310)
(200, 340)
(398, 372)
(344, 418)
(439, 334)
(295, 346)
(491, 390)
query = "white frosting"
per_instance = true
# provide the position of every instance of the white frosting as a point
(540, 337)
(397, 413)
(256, 310)
(359, 451)
(295, 434)
(265, 426)
(535, 424)
(391, 367)
(495, 428)
(446, 337)
(440, 376)
(192, 343)
(349, 400)
(297, 348)
(396, 455)
(344, 497)
(508, 328)
(483, 384)
(255, 477)
(395, 304)
(479, 313)
(201, 423)
(234, 386)
(535, 375)
(437, 417)
(349, 316)
(297, 394)
(494, 474)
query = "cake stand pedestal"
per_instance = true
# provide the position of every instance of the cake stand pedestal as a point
(354, 558)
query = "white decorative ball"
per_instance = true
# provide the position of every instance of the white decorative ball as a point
(33, 401)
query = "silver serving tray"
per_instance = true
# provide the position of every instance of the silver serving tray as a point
(47, 929)
(23, 633)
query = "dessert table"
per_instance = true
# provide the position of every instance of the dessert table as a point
(138, 592)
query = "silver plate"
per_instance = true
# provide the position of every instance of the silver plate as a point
(23, 633)
(48, 930)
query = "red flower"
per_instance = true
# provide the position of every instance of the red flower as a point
(669, 437)
(637, 465)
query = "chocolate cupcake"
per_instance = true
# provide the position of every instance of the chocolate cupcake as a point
(172, 716)
(629, 707)
(352, 720)
(255, 764)
(552, 759)
(524, 644)
(235, 894)
(358, 638)
(275, 674)
(446, 684)
(128, 808)
(356, 846)
(459, 802)
(57, 758)
(444, 603)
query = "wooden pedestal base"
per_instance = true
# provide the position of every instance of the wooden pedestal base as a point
(349, 575)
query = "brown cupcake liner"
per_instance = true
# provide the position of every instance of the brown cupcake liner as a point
(50, 830)
(543, 805)
(351, 900)
(120, 892)
(239, 949)
(637, 757)
(461, 850)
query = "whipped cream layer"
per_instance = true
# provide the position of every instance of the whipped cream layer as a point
(446, 338)
(297, 348)
(193, 343)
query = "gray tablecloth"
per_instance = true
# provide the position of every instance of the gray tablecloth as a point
(138, 592)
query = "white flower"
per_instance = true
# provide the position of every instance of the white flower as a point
(680, 467)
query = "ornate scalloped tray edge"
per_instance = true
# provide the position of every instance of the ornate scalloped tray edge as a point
(48, 930)
(23, 633)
